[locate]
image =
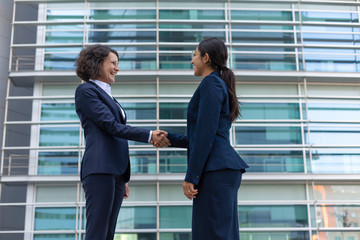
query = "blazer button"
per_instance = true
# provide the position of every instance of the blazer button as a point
(197, 176)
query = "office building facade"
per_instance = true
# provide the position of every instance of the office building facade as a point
(297, 65)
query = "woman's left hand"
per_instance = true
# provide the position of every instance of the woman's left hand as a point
(189, 190)
(127, 191)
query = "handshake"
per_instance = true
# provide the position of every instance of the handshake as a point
(159, 139)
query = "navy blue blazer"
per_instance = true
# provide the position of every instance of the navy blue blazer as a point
(106, 132)
(208, 125)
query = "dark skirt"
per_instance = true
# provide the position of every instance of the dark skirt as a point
(215, 211)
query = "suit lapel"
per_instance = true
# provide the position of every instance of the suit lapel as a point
(111, 102)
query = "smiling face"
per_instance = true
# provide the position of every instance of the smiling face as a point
(201, 64)
(109, 69)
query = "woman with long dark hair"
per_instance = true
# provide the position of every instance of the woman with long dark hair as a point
(214, 169)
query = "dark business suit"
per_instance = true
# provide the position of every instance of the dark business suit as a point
(105, 166)
(214, 167)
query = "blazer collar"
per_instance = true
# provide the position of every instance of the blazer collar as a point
(215, 73)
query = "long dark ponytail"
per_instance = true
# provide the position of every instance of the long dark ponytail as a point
(218, 55)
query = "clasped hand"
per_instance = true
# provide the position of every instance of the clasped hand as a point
(159, 139)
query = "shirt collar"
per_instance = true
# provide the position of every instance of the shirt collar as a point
(104, 86)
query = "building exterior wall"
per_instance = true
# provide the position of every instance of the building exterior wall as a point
(297, 68)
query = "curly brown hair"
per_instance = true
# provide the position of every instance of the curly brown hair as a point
(88, 64)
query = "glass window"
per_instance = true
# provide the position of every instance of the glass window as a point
(60, 218)
(56, 193)
(335, 160)
(275, 235)
(337, 216)
(244, 89)
(273, 161)
(58, 112)
(58, 163)
(173, 161)
(54, 236)
(261, 15)
(272, 216)
(58, 89)
(175, 89)
(269, 110)
(345, 17)
(115, 14)
(143, 161)
(135, 236)
(336, 235)
(139, 111)
(60, 61)
(174, 61)
(136, 218)
(175, 216)
(267, 135)
(333, 135)
(175, 236)
(336, 192)
(64, 14)
(333, 90)
(331, 111)
(122, 89)
(258, 61)
(172, 110)
(171, 192)
(262, 37)
(272, 192)
(193, 14)
(189, 36)
(108, 35)
(140, 193)
(59, 136)
(64, 36)
(317, 61)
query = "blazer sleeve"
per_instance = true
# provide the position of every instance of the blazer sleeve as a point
(178, 140)
(89, 104)
(210, 103)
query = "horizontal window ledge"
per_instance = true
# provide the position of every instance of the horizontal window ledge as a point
(179, 178)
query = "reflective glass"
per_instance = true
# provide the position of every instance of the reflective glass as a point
(135, 236)
(257, 61)
(139, 111)
(327, 134)
(60, 61)
(115, 14)
(191, 26)
(256, 15)
(173, 110)
(349, 17)
(273, 161)
(64, 37)
(179, 129)
(175, 216)
(272, 216)
(57, 163)
(272, 192)
(275, 235)
(335, 160)
(173, 161)
(175, 236)
(331, 111)
(267, 135)
(136, 218)
(336, 235)
(56, 193)
(64, 14)
(262, 37)
(54, 236)
(338, 216)
(192, 14)
(330, 38)
(59, 136)
(58, 112)
(269, 110)
(60, 218)
(141, 193)
(331, 62)
(260, 27)
(189, 36)
(143, 161)
(171, 192)
(108, 36)
(337, 192)
(174, 61)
